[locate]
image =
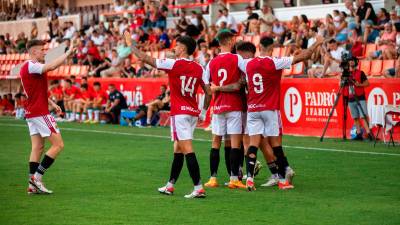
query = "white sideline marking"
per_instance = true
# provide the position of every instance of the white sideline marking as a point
(206, 140)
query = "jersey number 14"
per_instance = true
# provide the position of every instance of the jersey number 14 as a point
(187, 85)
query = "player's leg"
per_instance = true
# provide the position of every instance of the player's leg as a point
(34, 159)
(150, 109)
(273, 131)
(96, 111)
(89, 111)
(251, 159)
(193, 168)
(218, 130)
(47, 128)
(176, 168)
(214, 161)
(235, 130)
(269, 157)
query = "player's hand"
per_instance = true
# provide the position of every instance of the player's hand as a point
(202, 115)
(128, 39)
(58, 109)
(214, 88)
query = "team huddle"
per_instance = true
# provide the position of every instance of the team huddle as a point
(245, 115)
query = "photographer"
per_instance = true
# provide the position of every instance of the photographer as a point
(357, 81)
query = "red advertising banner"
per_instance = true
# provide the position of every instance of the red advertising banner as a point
(305, 103)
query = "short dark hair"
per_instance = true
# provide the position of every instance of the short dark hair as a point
(97, 84)
(73, 77)
(189, 42)
(33, 43)
(265, 42)
(85, 86)
(332, 41)
(68, 81)
(246, 46)
(224, 37)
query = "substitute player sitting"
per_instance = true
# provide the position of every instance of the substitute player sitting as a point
(185, 76)
(41, 124)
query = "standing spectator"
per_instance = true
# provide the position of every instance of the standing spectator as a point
(116, 102)
(34, 31)
(365, 12)
(267, 20)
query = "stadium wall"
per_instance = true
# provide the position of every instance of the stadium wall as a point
(16, 27)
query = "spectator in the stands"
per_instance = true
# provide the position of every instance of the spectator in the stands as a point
(98, 39)
(383, 18)
(288, 3)
(230, 21)
(370, 34)
(332, 60)
(128, 71)
(182, 23)
(142, 70)
(118, 6)
(250, 17)
(341, 28)
(267, 20)
(202, 53)
(163, 39)
(202, 25)
(113, 66)
(386, 44)
(162, 14)
(278, 31)
(3, 48)
(69, 32)
(21, 42)
(365, 13)
(34, 31)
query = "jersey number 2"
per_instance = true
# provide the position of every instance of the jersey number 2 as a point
(187, 86)
(222, 73)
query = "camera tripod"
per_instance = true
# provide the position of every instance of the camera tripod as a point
(343, 83)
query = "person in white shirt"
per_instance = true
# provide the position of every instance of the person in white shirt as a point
(97, 39)
(332, 60)
(230, 21)
(69, 32)
(118, 7)
(221, 18)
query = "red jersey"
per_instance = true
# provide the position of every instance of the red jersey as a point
(263, 76)
(223, 70)
(184, 78)
(100, 95)
(34, 83)
(86, 95)
(56, 93)
(73, 90)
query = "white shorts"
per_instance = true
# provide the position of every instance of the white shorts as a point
(43, 125)
(227, 123)
(244, 121)
(182, 127)
(266, 123)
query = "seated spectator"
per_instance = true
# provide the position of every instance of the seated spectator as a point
(98, 39)
(34, 31)
(370, 34)
(113, 66)
(128, 71)
(250, 17)
(386, 44)
(332, 60)
(393, 72)
(163, 39)
(142, 70)
(383, 18)
(118, 6)
(116, 102)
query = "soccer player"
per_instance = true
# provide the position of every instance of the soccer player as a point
(185, 76)
(83, 103)
(71, 93)
(99, 100)
(41, 124)
(227, 110)
(263, 76)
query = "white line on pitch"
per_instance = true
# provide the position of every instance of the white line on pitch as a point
(207, 140)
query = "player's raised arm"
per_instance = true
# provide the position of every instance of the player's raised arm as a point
(141, 55)
(306, 54)
(59, 60)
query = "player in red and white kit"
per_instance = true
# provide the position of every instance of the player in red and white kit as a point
(99, 101)
(227, 110)
(263, 77)
(185, 76)
(41, 124)
(71, 94)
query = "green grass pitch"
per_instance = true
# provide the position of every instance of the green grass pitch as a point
(110, 174)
